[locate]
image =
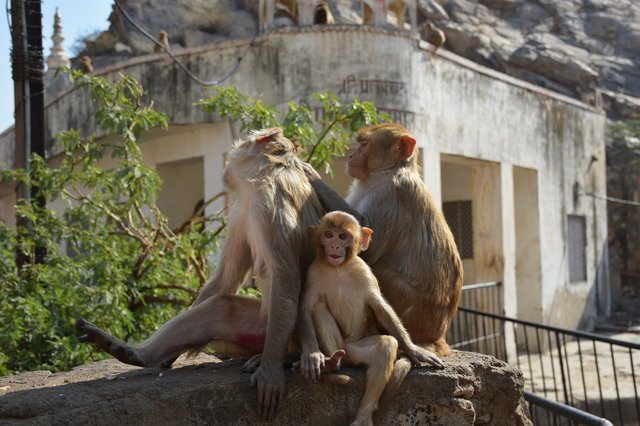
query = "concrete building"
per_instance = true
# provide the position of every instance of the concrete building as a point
(510, 162)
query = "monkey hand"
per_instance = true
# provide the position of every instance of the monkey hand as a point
(313, 364)
(421, 357)
(270, 385)
(311, 173)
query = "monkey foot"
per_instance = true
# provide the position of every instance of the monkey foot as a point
(107, 343)
(168, 363)
(331, 364)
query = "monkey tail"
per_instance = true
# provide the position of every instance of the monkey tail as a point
(400, 370)
(336, 379)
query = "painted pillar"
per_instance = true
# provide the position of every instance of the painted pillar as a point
(379, 13)
(494, 235)
(431, 173)
(266, 10)
(305, 12)
(214, 163)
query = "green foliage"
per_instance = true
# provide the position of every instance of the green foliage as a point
(110, 256)
(109, 252)
(323, 132)
(626, 134)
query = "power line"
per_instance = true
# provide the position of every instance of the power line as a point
(611, 199)
(182, 66)
(8, 11)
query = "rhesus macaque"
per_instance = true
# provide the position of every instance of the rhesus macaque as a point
(163, 38)
(433, 35)
(85, 65)
(272, 207)
(322, 15)
(414, 256)
(343, 309)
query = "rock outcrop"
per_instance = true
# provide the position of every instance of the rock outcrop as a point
(576, 47)
(570, 46)
(473, 389)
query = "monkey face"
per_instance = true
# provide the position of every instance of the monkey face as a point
(357, 160)
(337, 244)
(339, 237)
(381, 147)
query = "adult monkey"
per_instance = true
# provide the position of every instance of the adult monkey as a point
(414, 256)
(267, 234)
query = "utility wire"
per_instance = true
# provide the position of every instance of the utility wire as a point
(8, 11)
(182, 66)
(611, 199)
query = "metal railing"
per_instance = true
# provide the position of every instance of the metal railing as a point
(546, 411)
(590, 372)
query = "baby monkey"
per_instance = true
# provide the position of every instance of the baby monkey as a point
(343, 311)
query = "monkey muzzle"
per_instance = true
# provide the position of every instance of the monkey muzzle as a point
(335, 259)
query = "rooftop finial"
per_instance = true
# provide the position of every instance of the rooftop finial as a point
(58, 57)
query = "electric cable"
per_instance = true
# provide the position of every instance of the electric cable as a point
(182, 66)
(610, 199)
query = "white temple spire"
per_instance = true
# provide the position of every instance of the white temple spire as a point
(58, 57)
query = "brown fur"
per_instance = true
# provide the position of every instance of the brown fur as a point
(413, 255)
(433, 35)
(273, 203)
(343, 309)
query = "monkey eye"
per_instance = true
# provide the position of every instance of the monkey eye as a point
(343, 237)
(328, 234)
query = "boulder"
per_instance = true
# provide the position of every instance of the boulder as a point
(472, 389)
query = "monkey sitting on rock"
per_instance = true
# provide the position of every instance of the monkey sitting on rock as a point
(414, 257)
(343, 312)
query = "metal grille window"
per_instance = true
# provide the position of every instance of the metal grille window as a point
(459, 218)
(577, 246)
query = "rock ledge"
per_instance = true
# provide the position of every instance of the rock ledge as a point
(473, 389)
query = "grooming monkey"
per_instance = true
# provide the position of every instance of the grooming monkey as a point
(343, 309)
(273, 206)
(418, 266)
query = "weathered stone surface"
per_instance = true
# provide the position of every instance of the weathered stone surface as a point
(473, 388)
(570, 46)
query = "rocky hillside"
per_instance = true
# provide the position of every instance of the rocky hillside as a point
(570, 46)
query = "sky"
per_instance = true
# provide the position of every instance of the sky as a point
(79, 18)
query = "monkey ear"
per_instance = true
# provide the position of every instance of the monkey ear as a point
(365, 237)
(405, 146)
(268, 135)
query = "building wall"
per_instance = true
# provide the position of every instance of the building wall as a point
(454, 107)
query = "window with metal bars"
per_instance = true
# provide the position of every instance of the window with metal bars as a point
(459, 217)
(577, 247)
